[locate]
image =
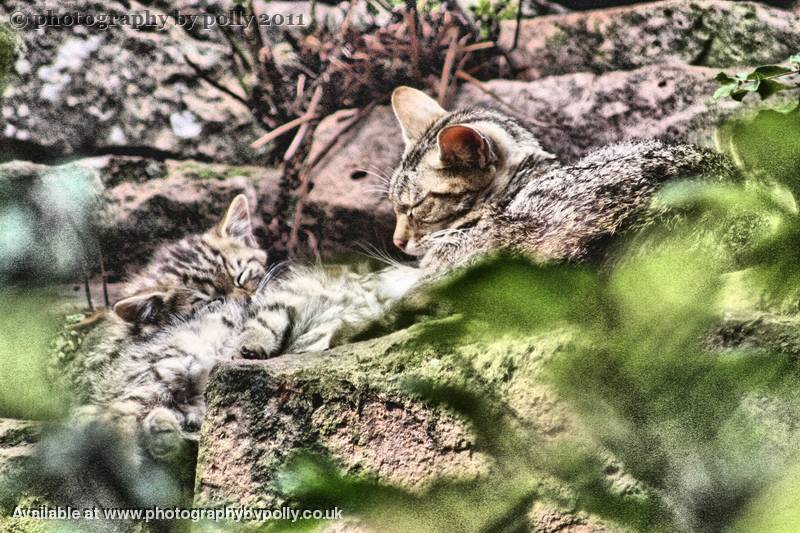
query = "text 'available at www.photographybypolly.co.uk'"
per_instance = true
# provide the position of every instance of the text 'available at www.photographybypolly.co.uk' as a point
(198, 514)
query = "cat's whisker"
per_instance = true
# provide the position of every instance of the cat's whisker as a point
(380, 255)
(380, 193)
(272, 272)
(384, 180)
(379, 173)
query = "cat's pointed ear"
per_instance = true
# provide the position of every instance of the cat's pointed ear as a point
(144, 307)
(236, 222)
(415, 111)
(464, 147)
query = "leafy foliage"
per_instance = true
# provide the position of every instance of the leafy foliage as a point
(762, 80)
(766, 146)
(489, 13)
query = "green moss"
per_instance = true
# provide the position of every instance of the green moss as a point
(238, 171)
(9, 52)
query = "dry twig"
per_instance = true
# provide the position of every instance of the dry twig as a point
(301, 133)
(280, 130)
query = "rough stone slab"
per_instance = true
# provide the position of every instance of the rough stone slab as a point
(184, 197)
(17, 442)
(260, 413)
(81, 90)
(711, 33)
(346, 402)
(574, 114)
(347, 204)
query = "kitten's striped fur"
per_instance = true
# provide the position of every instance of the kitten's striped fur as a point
(181, 278)
(154, 391)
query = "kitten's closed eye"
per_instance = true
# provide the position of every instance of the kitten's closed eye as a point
(249, 277)
(216, 303)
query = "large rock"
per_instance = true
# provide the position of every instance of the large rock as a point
(144, 202)
(347, 206)
(574, 114)
(18, 440)
(17, 443)
(712, 33)
(348, 403)
(149, 202)
(82, 90)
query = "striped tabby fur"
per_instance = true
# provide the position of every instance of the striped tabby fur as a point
(155, 389)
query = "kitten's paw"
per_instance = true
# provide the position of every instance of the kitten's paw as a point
(84, 416)
(162, 434)
(193, 416)
(257, 342)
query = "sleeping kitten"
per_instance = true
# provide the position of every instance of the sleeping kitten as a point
(474, 180)
(182, 278)
(154, 391)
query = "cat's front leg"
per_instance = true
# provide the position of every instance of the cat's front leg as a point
(268, 333)
(194, 411)
(161, 433)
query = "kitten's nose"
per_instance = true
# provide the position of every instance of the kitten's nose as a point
(400, 243)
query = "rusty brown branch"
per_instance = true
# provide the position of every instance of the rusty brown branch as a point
(281, 130)
(301, 133)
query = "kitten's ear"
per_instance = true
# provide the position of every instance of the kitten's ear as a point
(464, 146)
(415, 111)
(141, 308)
(236, 222)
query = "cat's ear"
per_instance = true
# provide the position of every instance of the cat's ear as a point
(141, 308)
(415, 111)
(236, 222)
(464, 147)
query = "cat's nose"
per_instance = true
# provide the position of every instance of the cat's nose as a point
(400, 243)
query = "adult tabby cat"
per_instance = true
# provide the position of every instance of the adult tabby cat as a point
(476, 179)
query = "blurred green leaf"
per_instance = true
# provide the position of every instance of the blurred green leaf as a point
(767, 88)
(776, 509)
(724, 79)
(27, 326)
(768, 71)
(726, 90)
(766, 145)
(535, 297)
(739, 94)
